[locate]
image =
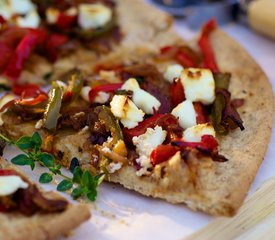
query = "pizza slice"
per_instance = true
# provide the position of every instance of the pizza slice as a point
(41, 40)
(167, 124)
(27, 212)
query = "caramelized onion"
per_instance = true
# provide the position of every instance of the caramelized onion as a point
(230, 117)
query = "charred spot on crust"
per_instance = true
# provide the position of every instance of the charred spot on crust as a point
(60, 154)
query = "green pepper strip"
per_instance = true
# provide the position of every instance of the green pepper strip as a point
(221, 82)
(53, 107)
(76, 82)
(106, 116)
(108, 119)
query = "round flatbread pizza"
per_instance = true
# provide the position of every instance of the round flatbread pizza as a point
(187, 123)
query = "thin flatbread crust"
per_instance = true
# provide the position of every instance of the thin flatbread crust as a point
(14, 226)
(218, 188)
(213, 187)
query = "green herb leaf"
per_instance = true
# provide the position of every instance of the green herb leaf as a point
(22, 160)
(86, 179)
(86, 183)
(64, 185)
(45, 178)
(92, 195)
(24, 143)
(47, 159)
(77, 175)
(55, 170)
(36, 140)
(77, 192)
(58, 166)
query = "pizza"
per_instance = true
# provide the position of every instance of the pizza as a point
(27, 212)
(186, 123)
(45, 39)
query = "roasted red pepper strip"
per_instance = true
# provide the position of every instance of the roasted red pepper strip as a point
(201, 115)
(65, 21)
(162, 153)
(33, 101)
(6, 54)
(7, 172)
(22, 52)
(208, 142)
(183, 59)
(9, 39)
(12, 36)
(205, 46)
(2, 20)
(163, 120)
(53, 43)
(180, 54)
(103, 88)
(177, 92)
(26, 90)
(3, 208)
(169, 52)
(7, 105)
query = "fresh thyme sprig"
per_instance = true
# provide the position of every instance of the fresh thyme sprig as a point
(83, 183)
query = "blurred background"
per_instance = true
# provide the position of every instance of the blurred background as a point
(250, 22)
(259, 14)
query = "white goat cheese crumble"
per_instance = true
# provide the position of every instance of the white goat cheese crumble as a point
(141, 98)
(199, 85)
(186, 114)
(113, 167)
(92, 16)
(10, 184)
(145, 144)
(194, 134)
(124, 109)
(172, 72)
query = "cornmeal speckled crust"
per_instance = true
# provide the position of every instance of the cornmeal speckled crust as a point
(199, 182)
(14, 226)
